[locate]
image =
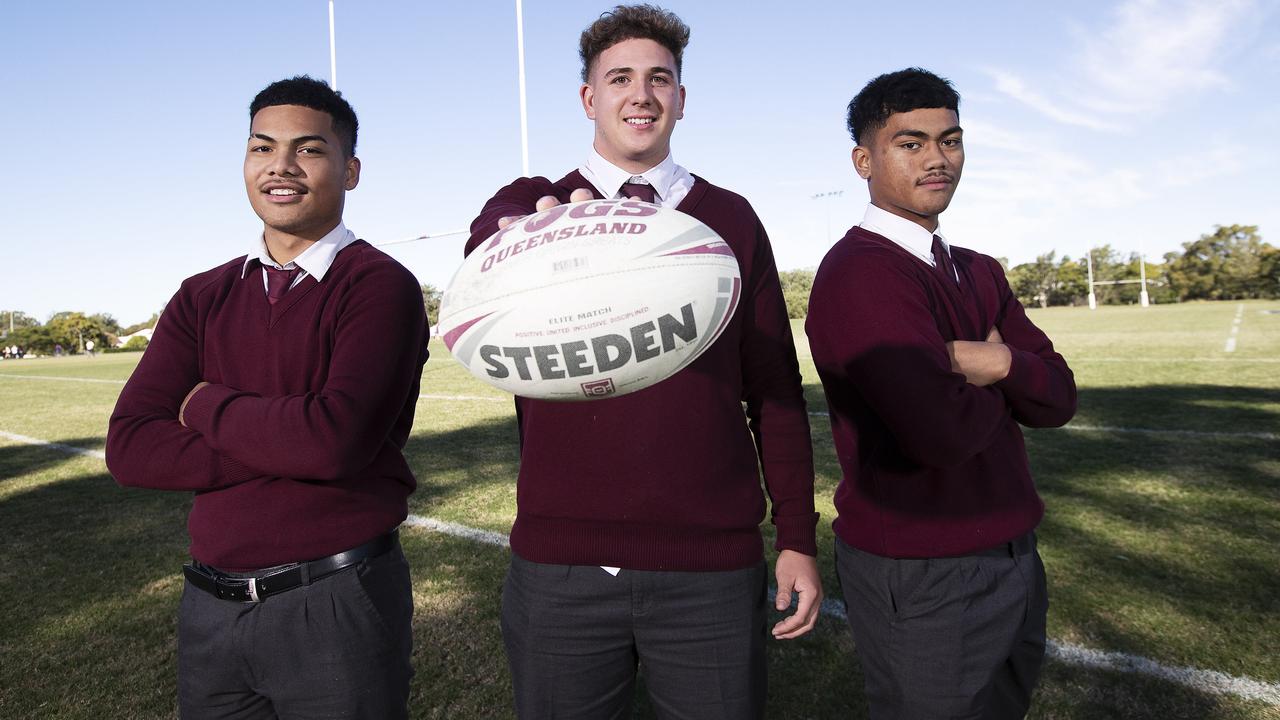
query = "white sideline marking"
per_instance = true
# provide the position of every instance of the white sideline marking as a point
(484, 398)
(56, 446)
(1208, 681)
(1235, 329)
(17, 376)
(1174, 433)
(1169, 360)
(1139, 431)
(487, 537)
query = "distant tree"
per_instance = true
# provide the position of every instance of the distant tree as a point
(431, 301)
(135, 344)
(1034, 281)
(33, 338)
(796, 285)
(150, 323)
(73, 329)
(18, 319)
(1072, 287)
(1231, 263)
(1108, 265)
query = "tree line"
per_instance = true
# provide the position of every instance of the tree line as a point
(1231, 263)
(69, 330)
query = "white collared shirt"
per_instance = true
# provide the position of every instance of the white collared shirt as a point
(908, 235)
(315, 260)
(670, 181)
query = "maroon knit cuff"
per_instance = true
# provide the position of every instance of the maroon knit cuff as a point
(198, 414)
(797, 532)
(1026, 374)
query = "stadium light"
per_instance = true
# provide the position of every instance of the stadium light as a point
(829, 194)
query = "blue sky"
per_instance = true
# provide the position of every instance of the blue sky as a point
(1137, 123)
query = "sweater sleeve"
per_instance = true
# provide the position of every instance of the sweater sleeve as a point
(872, 333)
(146, 445)
(518, 198)
(337, 430)
(1040, 388)
(774, 398)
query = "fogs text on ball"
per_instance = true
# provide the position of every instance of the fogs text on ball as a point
(590, 300)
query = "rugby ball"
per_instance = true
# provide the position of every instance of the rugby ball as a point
(590, 300)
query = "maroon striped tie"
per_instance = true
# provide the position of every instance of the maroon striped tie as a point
(942, 262)
(639, 191)
(279, 282)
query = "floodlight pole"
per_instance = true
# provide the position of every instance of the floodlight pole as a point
(524, 113)
(830, 194)
(1093, 299)
(333, 53)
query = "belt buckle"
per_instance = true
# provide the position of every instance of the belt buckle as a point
(253, 590)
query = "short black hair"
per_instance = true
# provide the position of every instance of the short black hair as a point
(896, 92)
(308, 92)
(630, 22)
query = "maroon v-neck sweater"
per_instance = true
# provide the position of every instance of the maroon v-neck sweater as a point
(295, 449)
(668, 478)
(932, 465)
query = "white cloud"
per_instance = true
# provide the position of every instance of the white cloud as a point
(1155, 50)
(1016, 88)
(1149, 54)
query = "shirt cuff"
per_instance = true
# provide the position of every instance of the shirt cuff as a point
(798, 533)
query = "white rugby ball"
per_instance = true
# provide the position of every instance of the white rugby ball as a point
(590, 300)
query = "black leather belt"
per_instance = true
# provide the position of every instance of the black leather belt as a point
(256, 588)
(1018, 546)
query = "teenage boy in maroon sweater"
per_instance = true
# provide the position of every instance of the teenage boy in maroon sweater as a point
(929, 365)
(280, 388)
(637, 536)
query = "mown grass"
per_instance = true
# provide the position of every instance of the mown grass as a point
(1160, 545)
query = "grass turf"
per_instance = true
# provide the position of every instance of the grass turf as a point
(1158, 544)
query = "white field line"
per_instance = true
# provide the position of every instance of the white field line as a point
(465, 398)
(488, 537)
(1074, 360)
(17, 376)
(1209, 681)
(1235, 329)
(56, 446)
(1172, 433)
(1140, 431)
(1170, 361)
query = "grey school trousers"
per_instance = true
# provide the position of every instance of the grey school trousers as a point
(574, 636)
(960, 637)
(337, 648)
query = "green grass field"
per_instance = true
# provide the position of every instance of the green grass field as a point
(1162, 537)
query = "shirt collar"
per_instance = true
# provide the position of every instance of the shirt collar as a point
(910, 236)
(315, 260)
(609, 178)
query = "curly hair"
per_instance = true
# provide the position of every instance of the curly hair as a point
(628, 22)
(308, 92)
(896, 92)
